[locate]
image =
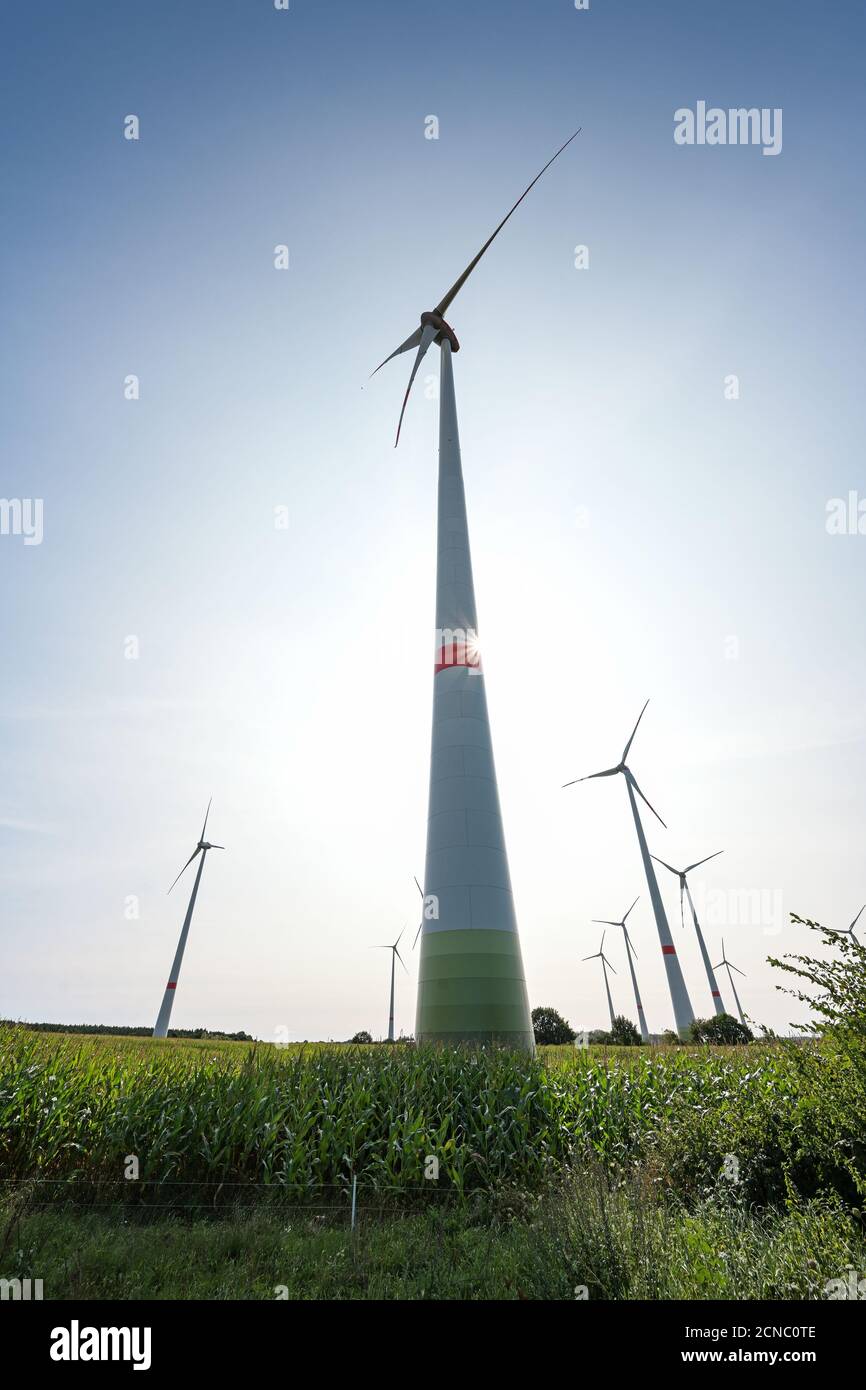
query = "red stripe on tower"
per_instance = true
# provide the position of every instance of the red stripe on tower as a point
(457, 649)
(669, 950)
(172, 984)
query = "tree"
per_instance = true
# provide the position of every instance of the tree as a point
(720, 1030)
(362, 1037)
(624, 1033)
(550, 1027)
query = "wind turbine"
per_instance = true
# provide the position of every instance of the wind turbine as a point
(630, 951)
(684, 888)
(395, 956)
(729, 967)
(599, 955)
(683, 1012)
(471, 984)
(849, 931)
(161, 1028)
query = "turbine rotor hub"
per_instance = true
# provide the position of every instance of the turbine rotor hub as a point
(433, 320)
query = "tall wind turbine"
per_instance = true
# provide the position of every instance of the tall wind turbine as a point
(684, 888)
(395, 956)
(161, 1028)
(630, 951)
(729, 967)
(471, 984)
(683, 1012)
(599, 955)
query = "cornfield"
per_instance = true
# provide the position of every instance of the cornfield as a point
(301, 1123)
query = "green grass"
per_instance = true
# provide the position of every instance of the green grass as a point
(587, 1238)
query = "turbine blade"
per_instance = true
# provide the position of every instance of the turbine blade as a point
(665, 864)
(397, 942)
(631, 946)
(412, 341)
(418, 886)
(737, 968)
(609, 772)
(417, 934)
(633, 732)
(699, 862)
(649, 803)
(604, 922)
(634, 904)
(608, 964)
(594, 956)
(186, 866)
(682, 896)
(206, 814)
(857, 918)
(400, 959)
(443, 304)
(427, 336)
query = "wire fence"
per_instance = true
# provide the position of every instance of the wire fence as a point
(143, 1196)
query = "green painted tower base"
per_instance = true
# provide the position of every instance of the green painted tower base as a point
(471, 989)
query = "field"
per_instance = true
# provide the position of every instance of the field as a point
(133, 1168)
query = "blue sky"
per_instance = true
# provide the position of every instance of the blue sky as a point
(635, 533)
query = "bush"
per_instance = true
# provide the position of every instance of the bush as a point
(723, 1030)
(624, 1033)
(550, 1027)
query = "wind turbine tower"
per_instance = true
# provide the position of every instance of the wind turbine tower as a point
(682, 1005)
(715, 992)
(471, 983)
(161, 1028)
(599, 955)
(630, 951)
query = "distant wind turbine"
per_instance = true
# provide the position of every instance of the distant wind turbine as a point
(683, 1012)
(849, 931)
(684, 888)
(729, 967)
(599, 955)
(630, 951)
(395, 956)
(161, 1029)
